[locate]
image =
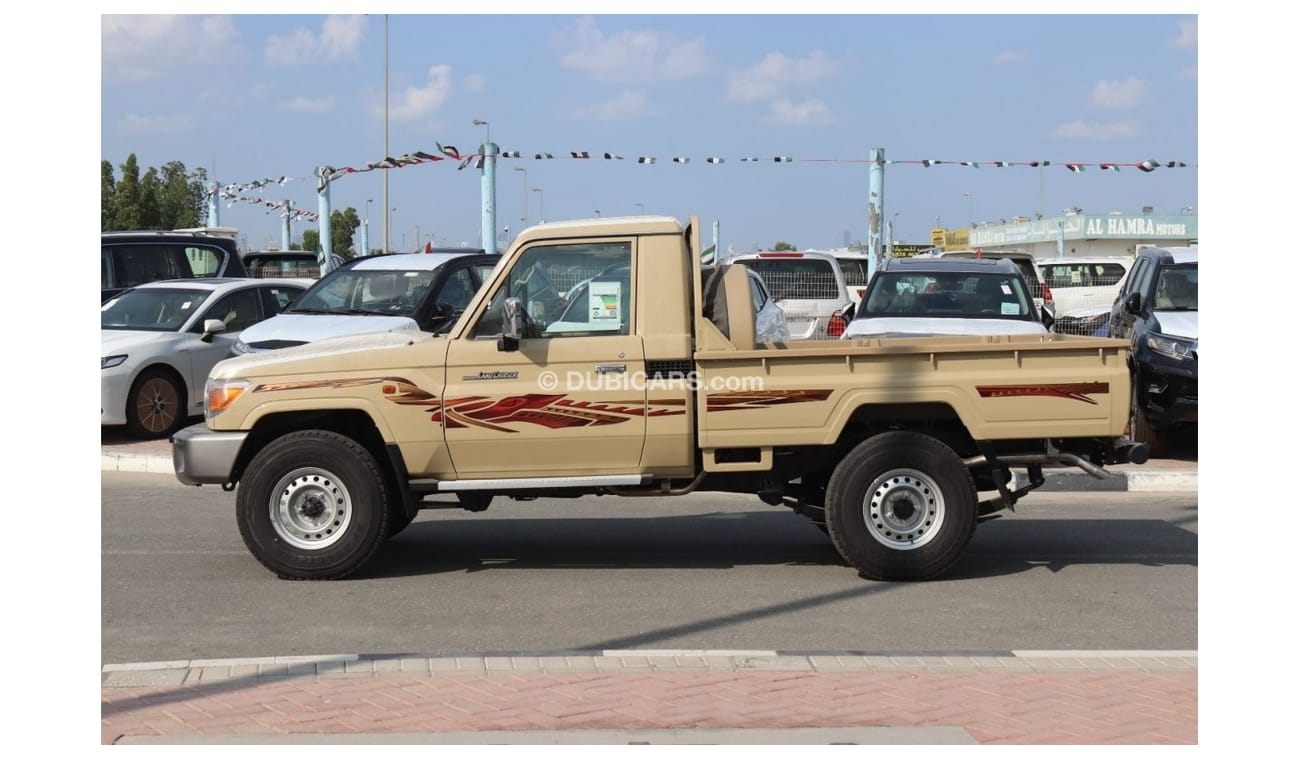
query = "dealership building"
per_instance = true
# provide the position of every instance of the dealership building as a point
(1074, 234)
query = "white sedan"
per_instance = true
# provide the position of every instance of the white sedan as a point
(159, 341)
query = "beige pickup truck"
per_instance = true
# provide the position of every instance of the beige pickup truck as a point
(600, 358)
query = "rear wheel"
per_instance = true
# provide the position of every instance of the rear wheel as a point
(313, 505)
(901, 506)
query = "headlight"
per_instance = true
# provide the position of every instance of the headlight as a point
(1174, 348)
(240, 348)
(220, 394)
(111, 361)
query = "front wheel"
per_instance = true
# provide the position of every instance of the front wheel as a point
(1140, 428)
(313, 506)
(901, 506)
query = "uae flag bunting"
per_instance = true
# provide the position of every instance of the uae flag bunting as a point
(749, 159)
(928, 162)
(579, 154)
(510, 154)
(611, 156)
(645, 159)
(1076, 168)
(680, 160)
(542, 155)
(448, 150)
(783, 159)
(1149, 166)
(714, 160)
(708, 254)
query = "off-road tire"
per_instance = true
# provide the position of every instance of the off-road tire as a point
(313, 505)
(901, 506)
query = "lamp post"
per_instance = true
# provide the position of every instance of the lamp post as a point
(597, 212)
(386, 214)
(970, 209)
(525, 171)
(487, 130)
(541, 205)
(640, 207)
(892, 220)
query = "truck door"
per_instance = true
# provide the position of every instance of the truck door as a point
(571, 399)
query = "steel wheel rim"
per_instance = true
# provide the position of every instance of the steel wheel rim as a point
(903, 509)
(157, 404)
(310, 508)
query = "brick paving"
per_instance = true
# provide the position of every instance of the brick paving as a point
(1111, 699)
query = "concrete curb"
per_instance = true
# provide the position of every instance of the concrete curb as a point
(1136, 480)
(178, 673)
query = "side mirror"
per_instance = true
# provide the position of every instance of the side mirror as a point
(1133, 303)
(1048, 317)
(211, 327)
(512, 325)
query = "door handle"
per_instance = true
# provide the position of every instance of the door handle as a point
(610, 369)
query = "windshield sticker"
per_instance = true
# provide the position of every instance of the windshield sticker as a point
(1010, 309)
(1006, 289)
(185, 306)
(605, 301)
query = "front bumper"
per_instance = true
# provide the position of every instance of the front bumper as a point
(114, 385)
(201, 455)
(1167, 391)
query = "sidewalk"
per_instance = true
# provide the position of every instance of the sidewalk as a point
(659, 697)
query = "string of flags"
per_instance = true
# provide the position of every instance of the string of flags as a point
(327, 174)
(285, 210)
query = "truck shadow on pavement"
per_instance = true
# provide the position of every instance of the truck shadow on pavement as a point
(1006, 546)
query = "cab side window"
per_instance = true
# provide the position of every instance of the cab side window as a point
(567, 290)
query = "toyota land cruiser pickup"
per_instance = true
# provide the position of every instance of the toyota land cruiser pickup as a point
(600, 358)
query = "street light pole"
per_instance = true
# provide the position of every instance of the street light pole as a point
(386, 217)
(970, 209)
(541, 205)
(525, 171)
(597, 212)
(640, 208)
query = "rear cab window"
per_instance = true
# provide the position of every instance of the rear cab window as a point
(797, 278)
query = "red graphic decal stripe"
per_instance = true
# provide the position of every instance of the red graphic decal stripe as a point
(1074, 391)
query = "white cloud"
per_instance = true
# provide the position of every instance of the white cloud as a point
(304, 104)
(1186, 35)
(776, 75)
(147, 47)
(1081, 130)
(1007, 57)
(134, 124)
(415, 103)
(811, 112)
(339, 40)
(1125, 93)
(629, 56)
(631, 104)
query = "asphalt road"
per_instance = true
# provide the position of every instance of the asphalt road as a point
(1067, 571)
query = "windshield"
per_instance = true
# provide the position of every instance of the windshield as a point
(373, 291)
(1176, 288)
(947, 294)
(157, 309)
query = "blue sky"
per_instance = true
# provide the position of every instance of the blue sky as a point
(261, 96)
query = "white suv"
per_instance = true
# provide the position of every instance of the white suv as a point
(1084, 289)
(809, 287)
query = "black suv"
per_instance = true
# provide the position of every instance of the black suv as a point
(127, 259)
(1156, 309)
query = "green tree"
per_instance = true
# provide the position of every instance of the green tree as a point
(150, 191)
(343, 225)
(177, 207)
(781, 245)
(126, 198)
(107, 194)
(311, 240)
(198, 196)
